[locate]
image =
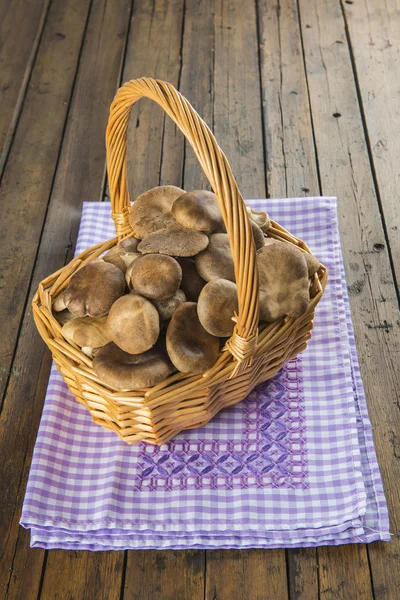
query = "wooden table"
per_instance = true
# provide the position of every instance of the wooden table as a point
(304, 99)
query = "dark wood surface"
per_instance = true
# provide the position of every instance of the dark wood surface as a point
(303, 98)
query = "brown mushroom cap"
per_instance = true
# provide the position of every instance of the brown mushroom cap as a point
(155, 276)
(87, 331)
(190, 347)
(151, 211)
(198, 210)
(218, 303)
(192, 283)
(93, 289)
(216, 261)
(124, 371)
(284, 282)
(258, 235)
(128, 244)
(59, 303)
(174, 241)
(260, 218)
(64, 316)
(133, 323)
(313, 263)
(167, 307)
(113, 256)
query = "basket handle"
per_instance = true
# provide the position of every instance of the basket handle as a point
(243, 342)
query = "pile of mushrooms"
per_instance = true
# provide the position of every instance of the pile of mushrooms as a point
(163, 300)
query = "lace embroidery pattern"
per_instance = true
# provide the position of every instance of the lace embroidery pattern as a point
(271, 452)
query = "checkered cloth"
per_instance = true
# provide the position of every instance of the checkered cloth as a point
(292, 465)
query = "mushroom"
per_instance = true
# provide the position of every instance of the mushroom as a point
(123, 371)
(313, 263)
(174, 241)
(94, 288)
(133, 323)
(284, 282)
(258, 235)
(192, 283)
(260, 218)
(59, 303)
(155, 276)
(63, 316)
(113, 256)
(190, 347)
(166, 308)
(122, 254)
(87, 331)
(151, 211)
(198, 210)
(128, 244)
(217, 305)
(216, 261)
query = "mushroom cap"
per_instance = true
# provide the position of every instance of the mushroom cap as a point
(124, 371)
(113, 256)
(93, 289)
(258, 235)
(192, 283)
(133, 324)
(260, 218)
(284, 282)
(190, 347)
(128, 244)
(198, 210)
(151, 211)
(174, 241)
(313, 263)
(64, 316)
(87, 331)
(155, 276)
(166, 308)
(216, 261)
(217, 305)
(59, 303)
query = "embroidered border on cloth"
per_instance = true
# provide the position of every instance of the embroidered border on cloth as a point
(272, 452)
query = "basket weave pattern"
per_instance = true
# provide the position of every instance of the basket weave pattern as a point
(250, 356)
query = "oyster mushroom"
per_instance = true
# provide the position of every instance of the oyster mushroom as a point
(192, 283)
(217, 304)
(174, 241)
(121, 254)
(121, 370)
(59, 303)
(155, 276)
(190, 347)
(133, 323)
(198, 210)
(87, 331)
(260, 218)
(151, 211)
(166, 308)
(284, 282)
(93, 289)
(216, 261)
(258, 235)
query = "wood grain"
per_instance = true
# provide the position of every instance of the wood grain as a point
(250, 574)
(23, 21)
(344, 573)
(79, 175)
(164, 575)
(29, 173)
(345, 171)
(153, 51)
(375, 41)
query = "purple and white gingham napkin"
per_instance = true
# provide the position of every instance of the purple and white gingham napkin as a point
(292, 465)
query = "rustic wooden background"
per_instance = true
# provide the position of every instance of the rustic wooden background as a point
(304, 99)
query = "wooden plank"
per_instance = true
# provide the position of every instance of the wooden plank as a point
(30, 167)
(289, 146)
(79, 176)
(152, 575)
(374, 29)
(291, 171)
(22, 21)
(344, 573)
(197, 78)
(238, 129)
(250, 574)
(346, 172)
(83, 575)
(153, 51)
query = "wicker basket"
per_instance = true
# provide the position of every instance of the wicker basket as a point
(250, 356)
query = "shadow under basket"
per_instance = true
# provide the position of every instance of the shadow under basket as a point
(253, 354)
